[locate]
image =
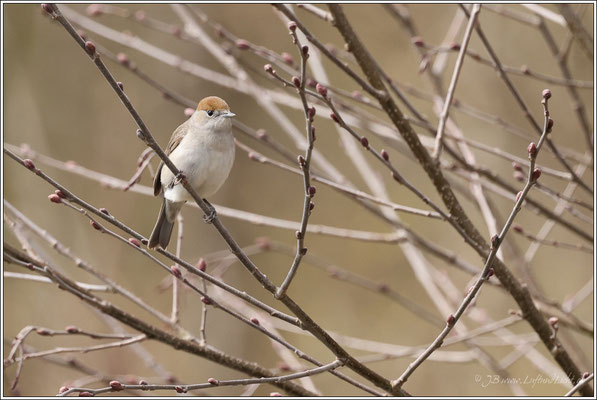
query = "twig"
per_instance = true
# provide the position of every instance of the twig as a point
(582, 36)
(117, 386)
(452, 88)
(304, 162)
(580, 384)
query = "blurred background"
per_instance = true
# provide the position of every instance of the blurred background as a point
(58, 104)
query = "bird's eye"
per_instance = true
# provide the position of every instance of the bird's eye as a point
(210, 112)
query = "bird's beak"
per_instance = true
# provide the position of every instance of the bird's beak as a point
(229, 115)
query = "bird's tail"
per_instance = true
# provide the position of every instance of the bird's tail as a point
(163, 227)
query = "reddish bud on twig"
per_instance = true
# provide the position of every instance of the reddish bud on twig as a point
(519, 176)
(255, 321)
(275, 394)
(139, 15)
(143, 382)
(29, 164)
(135, 242)
(311, 82)
(454, 46)
(72, 329)
(311, 206)
(86, 394)
(518, 195)
(47, 8)
(312, 190)
(553, 321)
(94, 10)
(364, 141)
(334, 118)
(42, 332)
(263, 242)
(303, 251)
(95, 225)
(103, 210)
(90, 48)
(311, 112)
(313, 133)
(516, 166)
(54, 198)
(305, 50)
(585, 375)
(495, 240)
(180, 389)
(298, 234)
(115, 385)
(288, 59)
(536, 174)
(213, 381)
(546, 94)
(268, 68)
(253, 156)
(59, 193)
(301, 160)
(322, 90)
(532, 150)
(242, 44)
(202, 265)
(451, 320)
(385, 155)
(292, 26)
(282, 366)
(357, 95)
(490, 273)
(417, 41)
(517, 228)
(525, 69)
(120, 85)
(262, 134)
(176, 271)
(205, 300)
(549, 124)
(63, 389)
(296, 81)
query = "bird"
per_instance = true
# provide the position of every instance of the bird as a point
(202, 149)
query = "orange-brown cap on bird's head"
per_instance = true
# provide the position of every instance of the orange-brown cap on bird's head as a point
(214, 105)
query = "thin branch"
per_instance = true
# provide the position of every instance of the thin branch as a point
(452, 88)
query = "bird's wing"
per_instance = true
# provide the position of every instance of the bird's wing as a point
(175, 140)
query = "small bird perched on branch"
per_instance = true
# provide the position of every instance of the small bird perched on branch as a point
(202, 148)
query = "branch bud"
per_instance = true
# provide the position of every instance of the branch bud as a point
(312, 190)
(242, 44)
(202, 265)
(296, 81)
(255, 321)
(134, 242)
(549, 124)
(322, 90)
(29, 164)
(213, 381)
(532, 150)
(116, 385)
(451, 320)
(288, 59)
(180, 389)
(292, 26)
(95, 225)
(47, 8)
(364, 142)
(205, 300)
(305, 50)
(517, 228)
(546, 94)
(385, 155)
(72, 329)
(120, 85)
(311, 112)
(418, 41)
(90, 48)
(268, 68)
(176, 271)
(54, 198)
(536, 174)
(334, 118)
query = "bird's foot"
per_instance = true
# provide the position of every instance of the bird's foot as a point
(208, 219)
